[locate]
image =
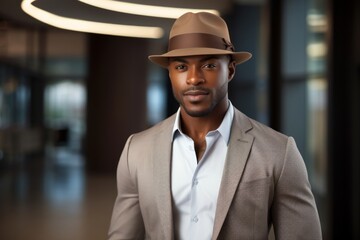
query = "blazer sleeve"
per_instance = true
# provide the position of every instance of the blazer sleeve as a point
(294, 212)
(126, 220)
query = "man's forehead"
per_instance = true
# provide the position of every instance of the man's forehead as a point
(199, 58)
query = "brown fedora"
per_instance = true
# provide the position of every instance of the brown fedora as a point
(199, 34)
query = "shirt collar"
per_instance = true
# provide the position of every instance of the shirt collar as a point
(223, 129)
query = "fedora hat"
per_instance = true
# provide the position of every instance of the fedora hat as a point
(200, 33)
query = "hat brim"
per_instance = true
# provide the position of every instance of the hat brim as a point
(163, 60)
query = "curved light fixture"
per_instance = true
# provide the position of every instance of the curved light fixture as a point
(144, 10)
(89, 26)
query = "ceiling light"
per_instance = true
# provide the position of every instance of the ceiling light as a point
(144, 10)
(90, 26)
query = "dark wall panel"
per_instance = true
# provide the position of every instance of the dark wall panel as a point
(116, 101)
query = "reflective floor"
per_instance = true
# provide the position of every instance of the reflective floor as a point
(53, 198)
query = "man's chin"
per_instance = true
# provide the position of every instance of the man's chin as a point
(197, 113)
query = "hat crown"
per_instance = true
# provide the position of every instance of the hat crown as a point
(201, 22)
(197, 34)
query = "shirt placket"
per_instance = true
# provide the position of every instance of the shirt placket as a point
(194, 208)
(195, 215)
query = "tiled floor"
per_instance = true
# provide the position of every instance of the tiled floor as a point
(54, 199)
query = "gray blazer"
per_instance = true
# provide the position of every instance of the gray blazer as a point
(264, 183)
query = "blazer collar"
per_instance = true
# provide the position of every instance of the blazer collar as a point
(162, 170)
(238, 152)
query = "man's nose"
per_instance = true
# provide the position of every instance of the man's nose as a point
(195, 76)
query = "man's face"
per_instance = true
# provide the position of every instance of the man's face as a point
(200, 83)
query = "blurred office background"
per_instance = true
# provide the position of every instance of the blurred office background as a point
(70, 99)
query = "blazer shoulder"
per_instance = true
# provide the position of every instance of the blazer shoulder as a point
(271, 150)
(269, 146)
(258, 129)
(141, 147)
(159, 130)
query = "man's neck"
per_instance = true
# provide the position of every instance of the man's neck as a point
(197, 127)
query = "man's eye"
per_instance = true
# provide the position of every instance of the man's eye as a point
(209, 65)
(180, 67)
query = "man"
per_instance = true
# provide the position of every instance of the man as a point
(209, 171)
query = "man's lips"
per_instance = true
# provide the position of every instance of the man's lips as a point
(195, 95)
(196, 92)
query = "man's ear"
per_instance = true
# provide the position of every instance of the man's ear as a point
(232, 67)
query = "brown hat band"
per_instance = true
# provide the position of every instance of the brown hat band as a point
(199, 40)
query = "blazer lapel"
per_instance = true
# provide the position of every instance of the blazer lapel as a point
(239, 148)
(162, 171)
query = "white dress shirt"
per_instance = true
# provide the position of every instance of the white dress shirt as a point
(195, 186)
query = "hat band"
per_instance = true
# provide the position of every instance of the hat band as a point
(199, 40)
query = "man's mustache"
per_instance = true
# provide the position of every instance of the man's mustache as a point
(195, 90)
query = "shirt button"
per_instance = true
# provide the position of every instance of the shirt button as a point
(195, 219)
(196, 182)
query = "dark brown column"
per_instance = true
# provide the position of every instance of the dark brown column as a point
(275, 11)
(116, 97)
(344, 120)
